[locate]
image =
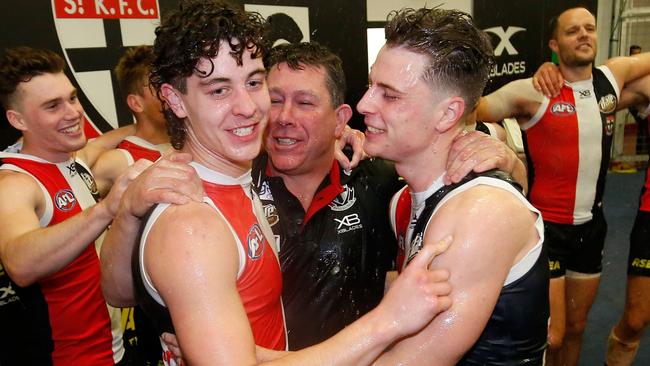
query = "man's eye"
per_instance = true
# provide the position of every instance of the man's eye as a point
(255, 83)
(218, 91)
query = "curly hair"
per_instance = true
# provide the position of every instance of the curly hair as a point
(20, 65)
(299, 55)
(133, 69)
(194, 32)
(460, 54)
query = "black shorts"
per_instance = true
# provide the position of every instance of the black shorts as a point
(577, 248)
(638, 261)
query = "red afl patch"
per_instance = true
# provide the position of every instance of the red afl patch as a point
(65, 200)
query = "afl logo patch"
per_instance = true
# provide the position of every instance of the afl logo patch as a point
(65, 200)
(607, 104)
(344, 200)
(255, 242)
(563, 109)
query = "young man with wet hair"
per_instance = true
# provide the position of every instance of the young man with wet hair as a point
(423, 86)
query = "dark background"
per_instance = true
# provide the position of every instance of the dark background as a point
(338, 24)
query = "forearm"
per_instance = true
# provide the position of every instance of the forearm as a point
(520, 175)
(105, 142)
(43, 251)
(266, 355)
(357, 344)
(116, 253)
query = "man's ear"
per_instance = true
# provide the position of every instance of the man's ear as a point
(16, 119)
(134, 102)
(452, 112)
(173, 99)
(552, 44)
(343, 115)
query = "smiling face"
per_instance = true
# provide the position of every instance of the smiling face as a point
(575, 38)
(225, 112)
(303, 125)
(400, 108)
(49, 114)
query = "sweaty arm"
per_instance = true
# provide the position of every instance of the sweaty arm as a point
(517, 99)
(109, 140)
(628, 68)
(636, 93)
(485, 248)
(197, 282)
(169, 180)
(109, 166)
(30, 252)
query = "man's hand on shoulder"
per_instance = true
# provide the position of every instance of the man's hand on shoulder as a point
(548, 80)
(169, 180)
(355, 139)
(478, 152)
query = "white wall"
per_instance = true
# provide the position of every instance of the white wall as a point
(604, 26)
(378, 10)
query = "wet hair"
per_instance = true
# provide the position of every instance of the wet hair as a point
(193, 32)
(20, 65)
(553, 23)
(460, 55)
(299, 55)
(133, 69)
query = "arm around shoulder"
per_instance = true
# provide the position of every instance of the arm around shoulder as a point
(487, 247)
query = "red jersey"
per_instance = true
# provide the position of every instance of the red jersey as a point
(71, 323)
(259, 280)
(568, 148)
(135, 148)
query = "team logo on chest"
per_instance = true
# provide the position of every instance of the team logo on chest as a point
(344, 200)
(607, 104)
(563, 109)
(65, 200)
(265, 192)
(255, 241)
(271, 214)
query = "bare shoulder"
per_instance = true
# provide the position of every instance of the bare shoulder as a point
(484, 218)
(111, 160)
(190, 229)
(16, 187)
(189, 220)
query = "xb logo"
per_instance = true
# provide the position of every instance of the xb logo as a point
(348, 221)
(504, 39)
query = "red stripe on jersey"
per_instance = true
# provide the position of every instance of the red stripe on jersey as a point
(138, 151)
(553, 145)
(260, 283)
(402, 220)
